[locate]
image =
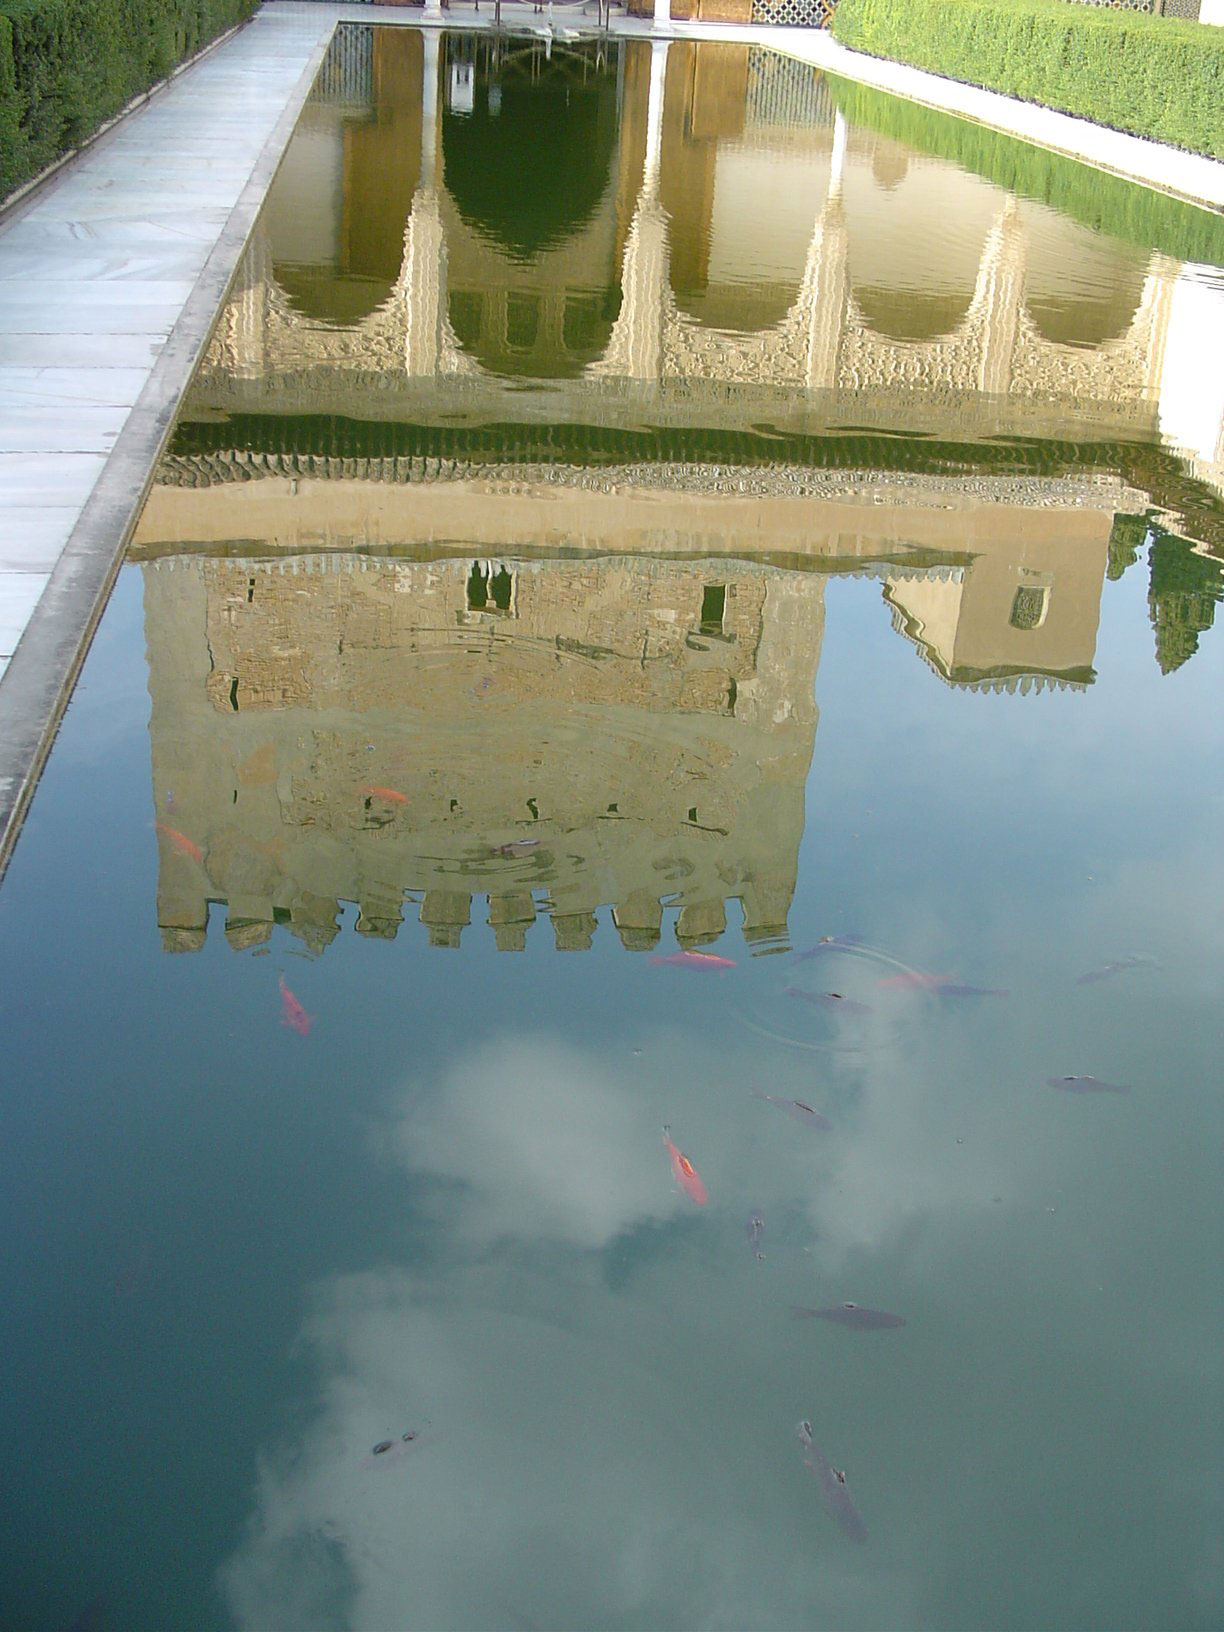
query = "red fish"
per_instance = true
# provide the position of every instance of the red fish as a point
(686, 1174)
(696, 960)
(293, 1014)
(391, 794)
(181, 842)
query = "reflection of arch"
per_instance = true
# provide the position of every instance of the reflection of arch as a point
(324, 294)
(1086, 320)
(552, 333)
(1079, 290)
(530, 171)
(911, 314)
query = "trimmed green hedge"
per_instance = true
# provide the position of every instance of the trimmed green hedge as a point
(1151, 76)
(66, 66)
(1123, 209)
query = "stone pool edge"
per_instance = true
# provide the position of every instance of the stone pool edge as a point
(41, 674)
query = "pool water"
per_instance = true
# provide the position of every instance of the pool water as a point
(680, 598)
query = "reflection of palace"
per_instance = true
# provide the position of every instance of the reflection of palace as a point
(465, 577)
(722, 239)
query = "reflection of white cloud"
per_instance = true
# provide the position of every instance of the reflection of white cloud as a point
(574, 1480)
(547, 1140)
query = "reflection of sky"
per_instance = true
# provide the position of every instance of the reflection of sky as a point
(450, 1210)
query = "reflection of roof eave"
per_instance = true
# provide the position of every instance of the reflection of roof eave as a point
(1003, 677)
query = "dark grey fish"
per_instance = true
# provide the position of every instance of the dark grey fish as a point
(830, 1000)
(1087, 1085)
(851, 1314)
(828, 943)
(795, 1108)
(1108, 969)
(832, 1486)
(755, 1229)
(91, 1617)
(517, 847)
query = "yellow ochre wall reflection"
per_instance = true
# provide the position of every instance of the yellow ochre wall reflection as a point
(542, 668)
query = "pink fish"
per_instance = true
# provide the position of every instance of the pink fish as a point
(686, 1174)
(914, 979)
(391, 795)
(696, 960)
(293, 1014)
(181, 842)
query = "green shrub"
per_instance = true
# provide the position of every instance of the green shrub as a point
(1150, 76)
(1137, 215)
(66, 66)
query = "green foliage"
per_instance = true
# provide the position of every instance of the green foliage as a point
(1151, 76)
(66, 66)
(1184, 589)
(1123, 209)
(1127, 538)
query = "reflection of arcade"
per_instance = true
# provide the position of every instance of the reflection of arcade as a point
(625, 732)
(698, 219)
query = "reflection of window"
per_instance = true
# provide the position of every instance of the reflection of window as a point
(1029, 607)
(489, 591)
(522, 320)
(582, 323)
(500, 586)
(713, 608)
(477, 588)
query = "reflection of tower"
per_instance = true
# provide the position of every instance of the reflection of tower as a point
(556, 736)
(1023, 613)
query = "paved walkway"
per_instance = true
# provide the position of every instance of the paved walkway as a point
(111, 275)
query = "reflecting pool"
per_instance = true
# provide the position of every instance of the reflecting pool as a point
(657, 504)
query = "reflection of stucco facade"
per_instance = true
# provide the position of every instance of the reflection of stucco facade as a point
(997, 339)
(642, 729)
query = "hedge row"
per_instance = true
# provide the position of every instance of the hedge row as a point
(66, 66)
(1151, 76)
(1123, 209)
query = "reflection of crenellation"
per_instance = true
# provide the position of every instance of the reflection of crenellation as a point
(554, 737)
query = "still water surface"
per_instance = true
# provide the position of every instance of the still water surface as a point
(681, 597)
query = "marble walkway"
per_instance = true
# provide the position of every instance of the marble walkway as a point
(111, 274)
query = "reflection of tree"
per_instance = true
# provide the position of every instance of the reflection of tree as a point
(1125, 541)
(1183, 590)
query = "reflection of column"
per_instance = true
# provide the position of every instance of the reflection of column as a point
(429, 108)
(654, 117)
(635, 346)
(423, 276)
(822, 293)
(423, 284)
(998, 297)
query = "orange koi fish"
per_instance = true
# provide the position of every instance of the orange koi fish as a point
(686, 1174)
(391, 794)
(696, 960)
(293, 1014)
(181, 842)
